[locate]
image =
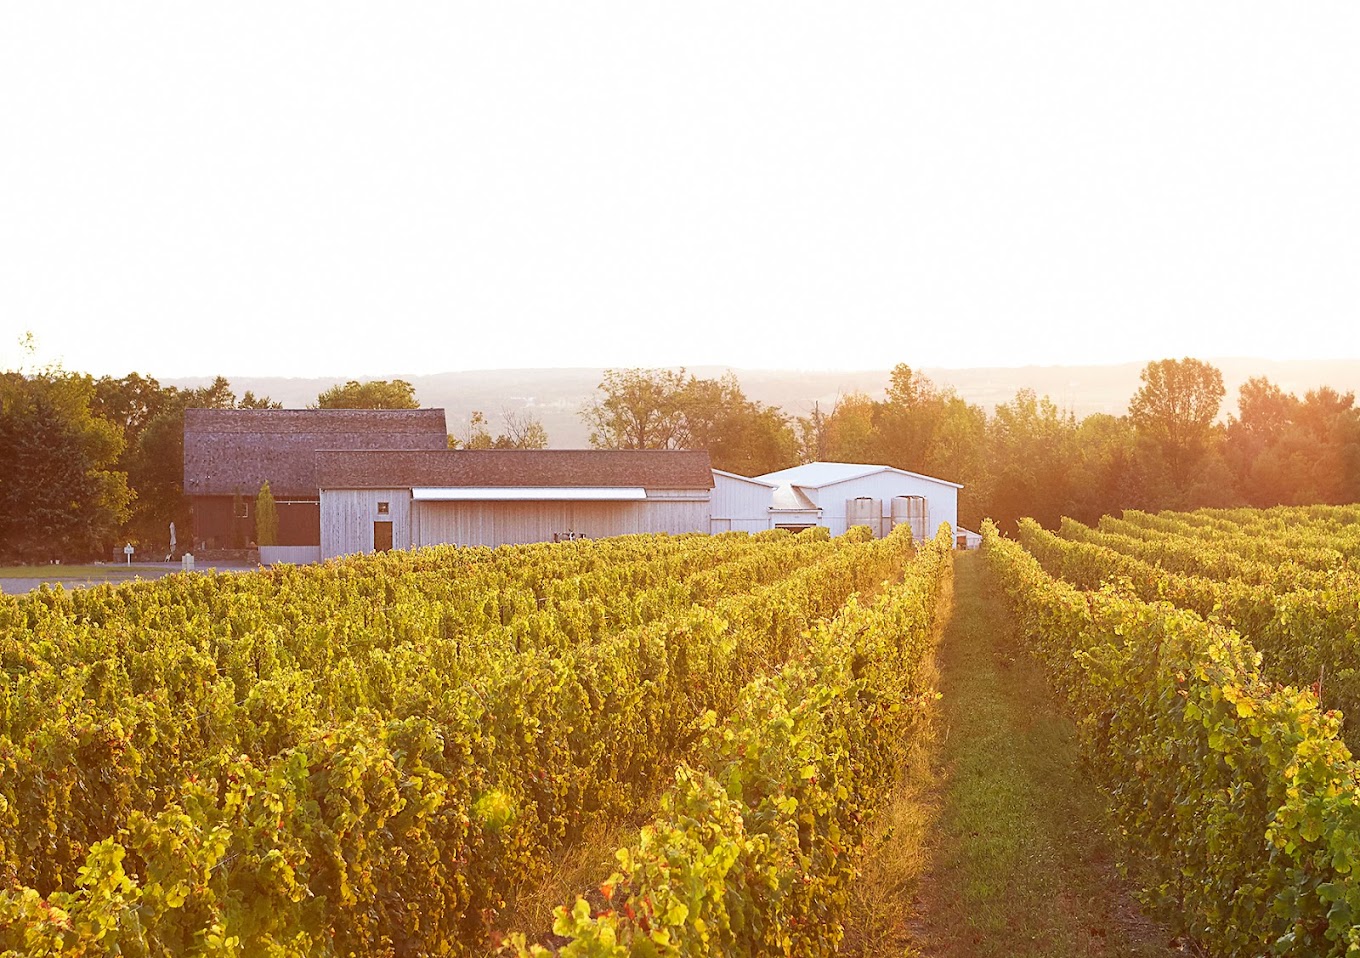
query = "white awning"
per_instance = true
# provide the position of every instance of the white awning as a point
(530, 494)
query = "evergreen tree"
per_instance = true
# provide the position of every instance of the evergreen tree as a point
(266, 518)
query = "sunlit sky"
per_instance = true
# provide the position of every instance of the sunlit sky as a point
(343, 189)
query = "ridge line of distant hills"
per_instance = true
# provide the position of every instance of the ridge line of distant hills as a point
(555, 396)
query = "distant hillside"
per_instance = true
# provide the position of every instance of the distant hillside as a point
(556, 396)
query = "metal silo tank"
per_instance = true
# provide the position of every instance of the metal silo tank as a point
(914, 511)
(865, 511)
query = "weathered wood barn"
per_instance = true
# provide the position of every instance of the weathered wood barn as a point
(384, 500)
(230, 453)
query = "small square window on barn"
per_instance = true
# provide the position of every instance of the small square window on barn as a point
(382, 509)
(243, 509)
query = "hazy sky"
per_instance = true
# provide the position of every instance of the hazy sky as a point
(338, 189)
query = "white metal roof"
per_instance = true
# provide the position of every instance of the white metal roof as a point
(788, 498)
(815, 475)
(757, 482)
(528, 494)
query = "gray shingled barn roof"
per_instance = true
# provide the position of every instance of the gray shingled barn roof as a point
(650, 469)
(237, 450)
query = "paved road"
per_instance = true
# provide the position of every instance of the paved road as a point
(115, 574)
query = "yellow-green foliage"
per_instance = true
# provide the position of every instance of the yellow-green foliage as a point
(1238, 793)
(760, 838)
(368, 757)
(1305, 625)
(266, 518)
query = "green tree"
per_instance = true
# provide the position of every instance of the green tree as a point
(476, 435)
(666, 409)
(755, 440)
(741, 435)
(909, 419)
(1032, 446)
(155, 468)
(130, 402)
(1174, 409)
(150, 418)
(1108, 474)
(1259, 443)
(376, 394)
(61, 495)
(266, 518)
(251, 401)
(958, 452)
(924, 428)
(218, 394)
(639, 409)
(851, 433)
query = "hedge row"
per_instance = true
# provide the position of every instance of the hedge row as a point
(759, 841)
(404, 833)
(1306, 636)
(1237, 794)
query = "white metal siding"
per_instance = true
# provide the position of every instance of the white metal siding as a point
(941, 500)
(347, 517)
(503, 523)
(296, 555)
(971, 540)
(751, 525)
(744, 502)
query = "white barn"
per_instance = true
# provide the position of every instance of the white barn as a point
(841, 494)
(373, 500)
(740, 504)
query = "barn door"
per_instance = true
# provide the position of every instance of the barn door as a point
(382, 537)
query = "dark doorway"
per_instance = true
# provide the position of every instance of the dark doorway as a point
(382, 537)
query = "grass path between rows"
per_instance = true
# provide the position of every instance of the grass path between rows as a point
(995, 842)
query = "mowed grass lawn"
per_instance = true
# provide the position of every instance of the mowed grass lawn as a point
(55, 572)
(996, 844)
(18, 579)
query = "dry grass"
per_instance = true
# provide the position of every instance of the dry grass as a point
(580, 870)
(883, 903)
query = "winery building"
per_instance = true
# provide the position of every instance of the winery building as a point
(364, 480)
(843, 494)
(230, 453)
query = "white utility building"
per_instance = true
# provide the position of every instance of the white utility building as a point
(740, 504)
(842, 494)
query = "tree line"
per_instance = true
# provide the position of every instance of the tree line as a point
(1028, 456)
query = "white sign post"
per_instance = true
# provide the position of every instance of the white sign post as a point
(127, 551)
